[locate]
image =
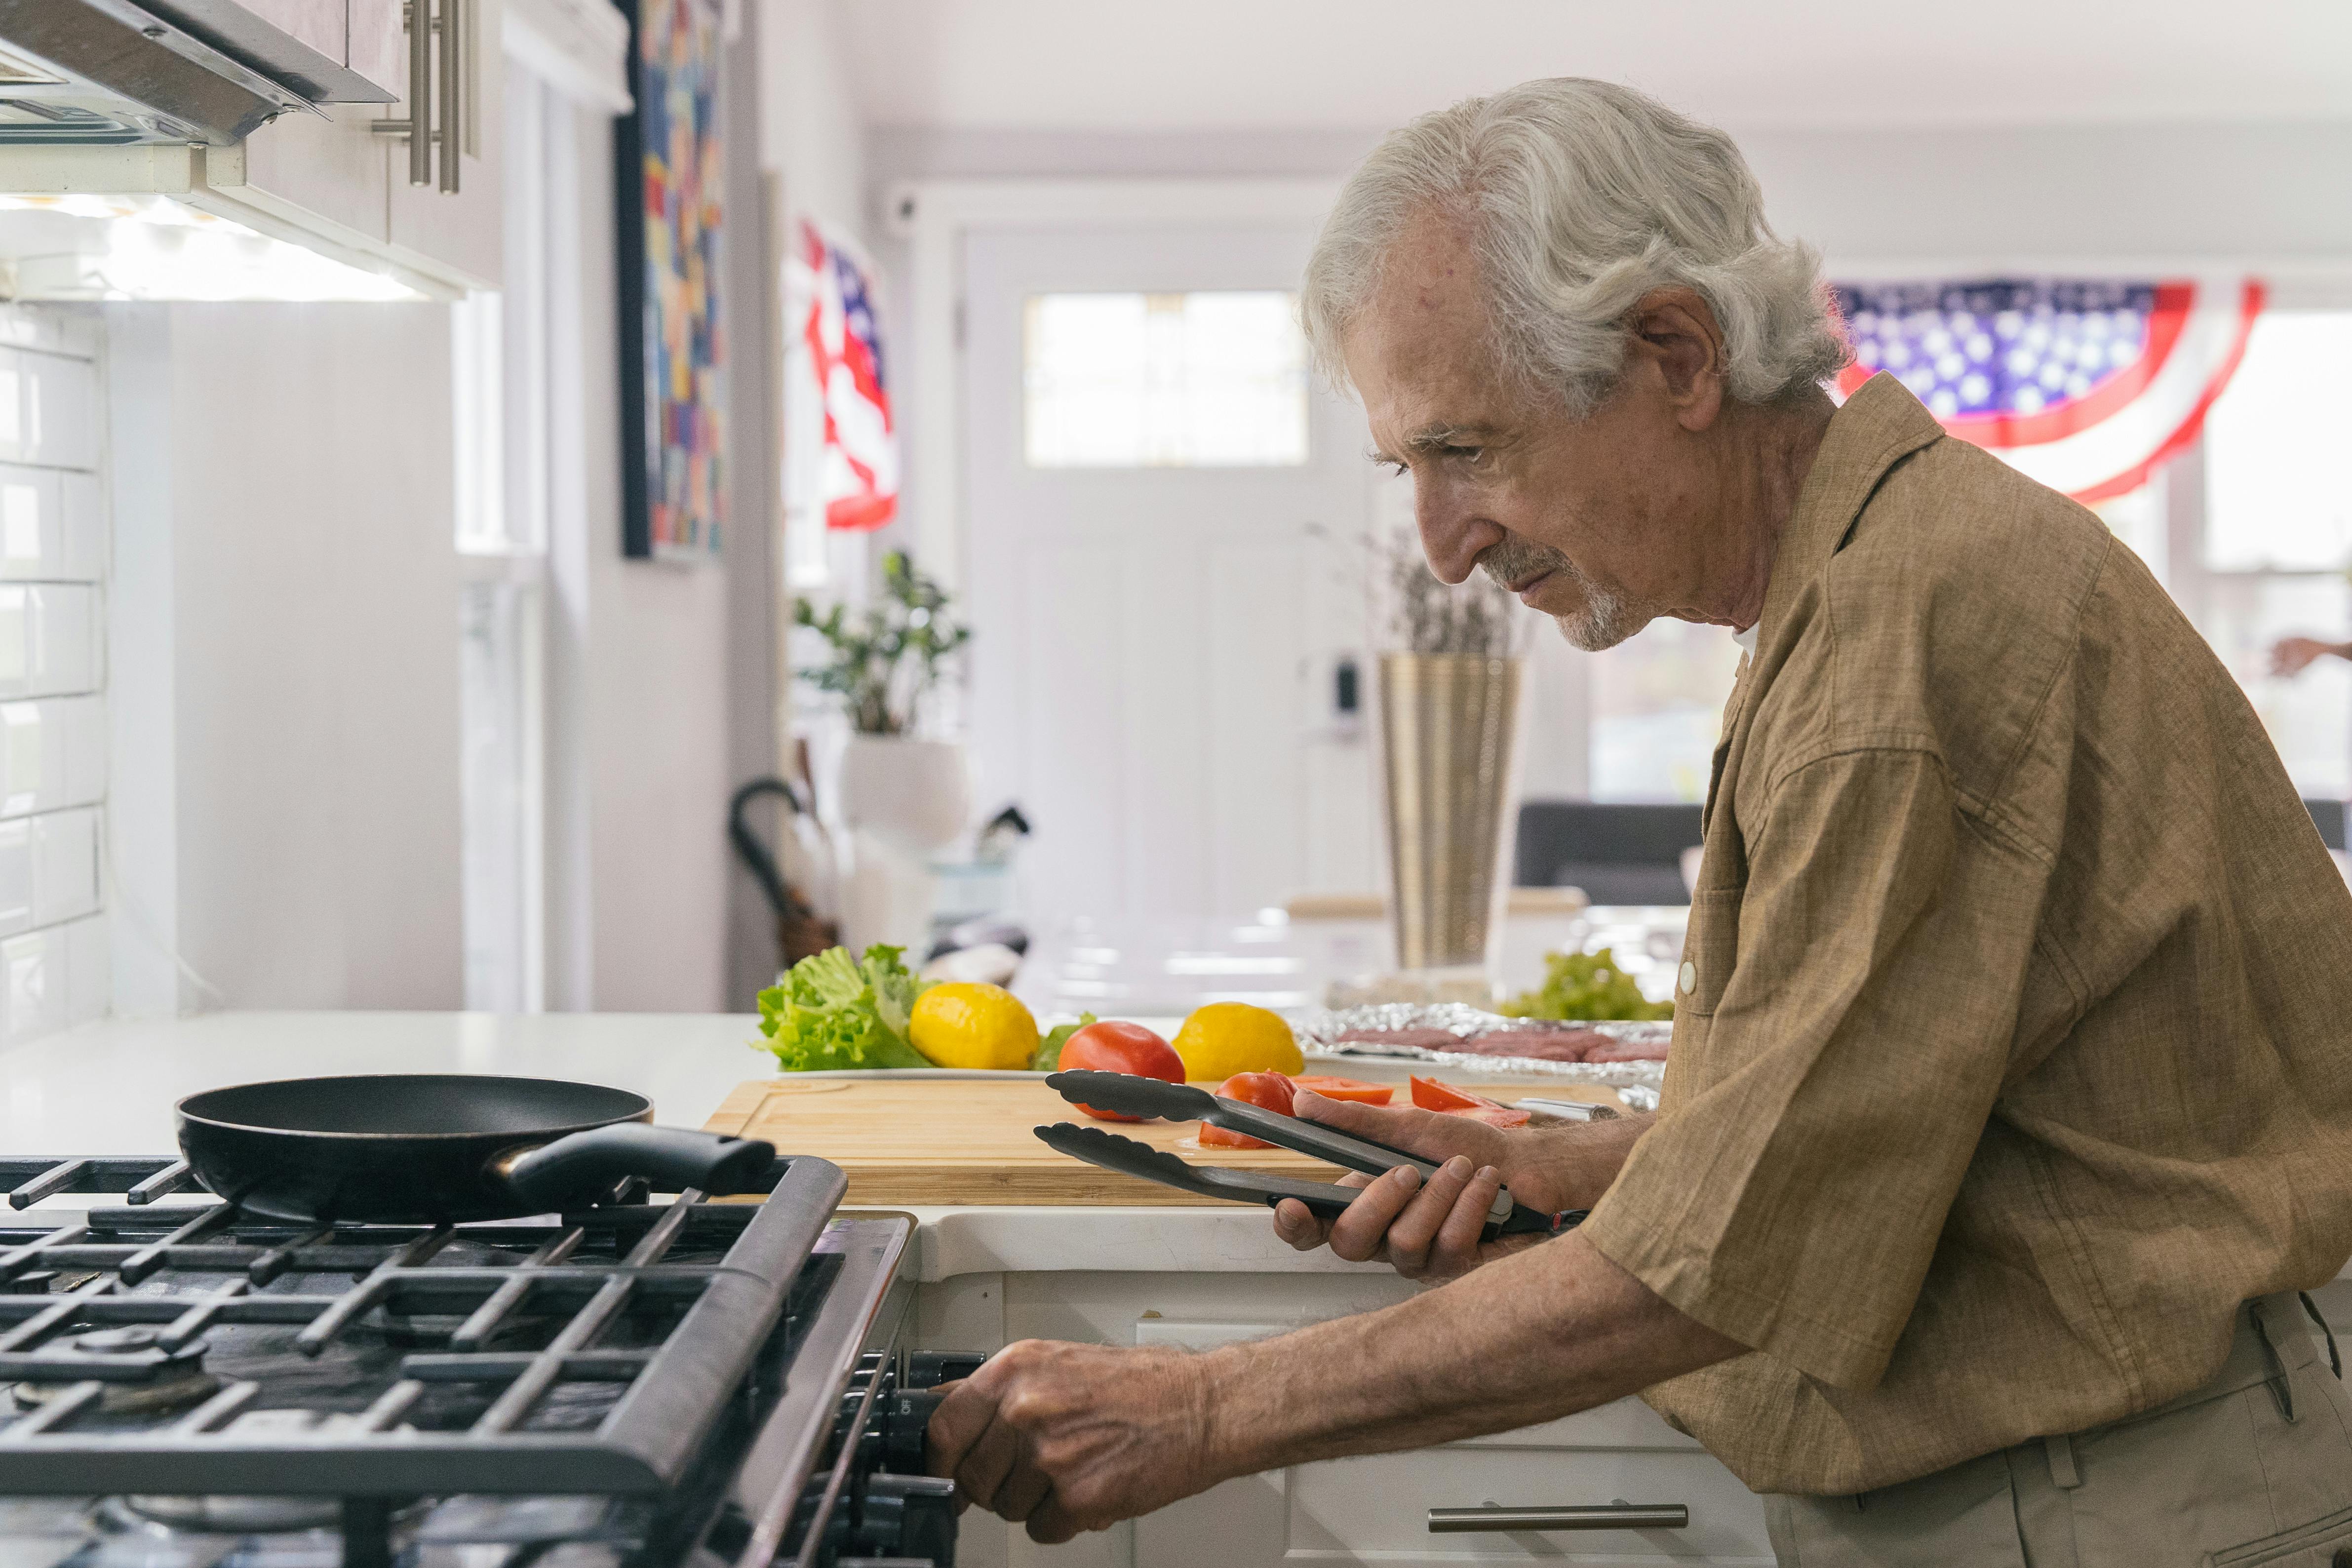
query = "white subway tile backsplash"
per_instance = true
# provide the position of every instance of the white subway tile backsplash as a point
(64, 866)
(52, 754)
(52, 525)
(49, 635)
(48, 410)
(16, 876)
(54, 531)
(84, 557)
(72, 656)
(33, 985)
(53, 978)
(82, 722)
(90, 991)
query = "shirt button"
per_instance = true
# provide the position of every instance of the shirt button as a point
(1689, 976)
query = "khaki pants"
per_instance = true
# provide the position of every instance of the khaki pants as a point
(2255, 1467)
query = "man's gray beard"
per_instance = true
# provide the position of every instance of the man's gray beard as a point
(1607, 618)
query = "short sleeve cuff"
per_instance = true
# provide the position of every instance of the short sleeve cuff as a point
(1642, 1243)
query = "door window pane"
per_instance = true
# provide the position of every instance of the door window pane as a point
(1129, 381)
(2275, 497)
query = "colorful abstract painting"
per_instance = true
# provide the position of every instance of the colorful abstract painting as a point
(670, 166)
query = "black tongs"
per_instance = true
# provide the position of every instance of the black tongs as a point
(1150, 1096)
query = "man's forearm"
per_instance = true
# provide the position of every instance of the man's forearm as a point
(1596, 1151)
(1551, 1331)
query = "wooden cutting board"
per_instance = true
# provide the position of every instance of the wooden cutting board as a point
(970, 1140)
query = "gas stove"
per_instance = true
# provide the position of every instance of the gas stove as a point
(637, 1384)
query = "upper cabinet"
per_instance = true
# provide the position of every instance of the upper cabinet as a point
(373, 140)
(424, 198)
(451, 212)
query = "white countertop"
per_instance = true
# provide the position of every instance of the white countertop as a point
(109, 1087)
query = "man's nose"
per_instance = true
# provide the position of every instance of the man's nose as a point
(1453, 534)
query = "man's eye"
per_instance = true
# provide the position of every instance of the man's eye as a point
(1470, 454)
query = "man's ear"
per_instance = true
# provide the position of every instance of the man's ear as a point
(1676, 333)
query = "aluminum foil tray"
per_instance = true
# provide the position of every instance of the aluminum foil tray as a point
(1320, 1035)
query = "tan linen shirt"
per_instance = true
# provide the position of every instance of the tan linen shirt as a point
(2016, 1046)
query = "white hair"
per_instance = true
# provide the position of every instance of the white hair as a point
(1579, 198)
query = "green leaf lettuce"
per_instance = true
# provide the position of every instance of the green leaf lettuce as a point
(1048, 1057)
(830, 1012)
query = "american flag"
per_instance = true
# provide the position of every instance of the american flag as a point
(857, 484)
(2089, 385)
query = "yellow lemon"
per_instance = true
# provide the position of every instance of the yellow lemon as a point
(963, 1026)
(1226, 1037)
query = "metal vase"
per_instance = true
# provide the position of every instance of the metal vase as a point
(1448, 721)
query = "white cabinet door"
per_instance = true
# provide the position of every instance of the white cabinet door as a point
(461, 232)
(378, 40)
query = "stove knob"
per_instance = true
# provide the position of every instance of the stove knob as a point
(905, 1421)
(928, 1369)
(908, 1516)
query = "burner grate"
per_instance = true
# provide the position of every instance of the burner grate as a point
(123, 1294)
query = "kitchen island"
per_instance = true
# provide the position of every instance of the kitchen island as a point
(985, 1275)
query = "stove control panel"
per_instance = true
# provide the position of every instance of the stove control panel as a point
(880, 1510)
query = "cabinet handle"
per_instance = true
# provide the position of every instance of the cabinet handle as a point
(453, 92)
(417, 18)
(1563, 1516)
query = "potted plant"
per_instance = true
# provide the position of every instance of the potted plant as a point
(902, 797)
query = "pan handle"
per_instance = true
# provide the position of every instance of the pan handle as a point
(672, 1158)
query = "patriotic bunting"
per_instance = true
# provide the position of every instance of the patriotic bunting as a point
(2089, 386)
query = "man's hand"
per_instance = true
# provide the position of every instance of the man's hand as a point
(1069, 1438)
(2290, 654)
(1432, 1231)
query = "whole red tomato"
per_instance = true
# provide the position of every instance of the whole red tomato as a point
(1121, 1048)
(1268, 1091)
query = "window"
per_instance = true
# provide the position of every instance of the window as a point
(2267, 550)
(1657, 706)
(1203, 380)
(503, 357)
(2274, 496)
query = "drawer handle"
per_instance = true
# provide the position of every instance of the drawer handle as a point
(1561, 1516)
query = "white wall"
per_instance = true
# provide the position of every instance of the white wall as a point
(638, 757)
(2265, 193)
(284, 507)
(811, 133)
(799, 106)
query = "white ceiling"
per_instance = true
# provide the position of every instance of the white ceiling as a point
(1223, 64)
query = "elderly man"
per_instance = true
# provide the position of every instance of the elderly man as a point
(2011, 1100)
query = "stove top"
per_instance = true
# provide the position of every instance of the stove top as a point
(183, 1384)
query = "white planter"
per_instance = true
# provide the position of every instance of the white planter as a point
(903, 802)
(915, 794)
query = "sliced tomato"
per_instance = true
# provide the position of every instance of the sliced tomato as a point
(1330, 1088)
(1267, 1091)
(1431, 1095)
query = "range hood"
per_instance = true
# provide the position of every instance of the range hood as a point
(163, 72)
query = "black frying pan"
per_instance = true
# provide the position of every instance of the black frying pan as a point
(417, 1148)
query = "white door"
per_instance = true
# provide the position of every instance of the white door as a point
(1157, 643)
